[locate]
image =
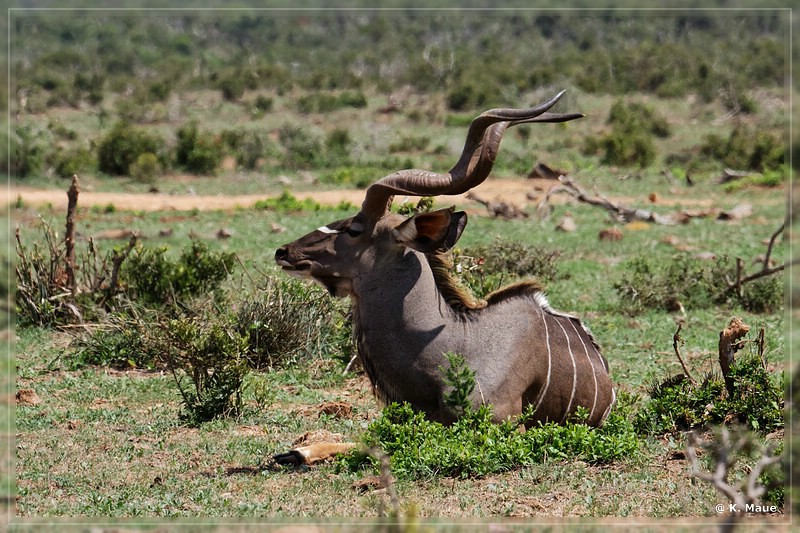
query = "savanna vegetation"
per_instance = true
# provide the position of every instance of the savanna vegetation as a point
(161, 358)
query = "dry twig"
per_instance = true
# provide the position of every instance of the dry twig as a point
(766, 269)
(620, 213)
(749, 491)
(676, 340)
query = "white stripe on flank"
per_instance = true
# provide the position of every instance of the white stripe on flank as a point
(594, 370)
(547, 381)
(574, 373)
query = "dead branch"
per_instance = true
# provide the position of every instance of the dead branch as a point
(766, 269)
(730, 174)
(676, 340)
(748, 491)
(729, 344)
(499, 208)
(618, 212)
(387, 480)
(69, 235)
(116, 264)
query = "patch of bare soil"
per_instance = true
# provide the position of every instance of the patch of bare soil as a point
(516, 192)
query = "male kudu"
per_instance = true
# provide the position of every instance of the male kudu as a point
(408, 312)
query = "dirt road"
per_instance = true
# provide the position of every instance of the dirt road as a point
(512, 191)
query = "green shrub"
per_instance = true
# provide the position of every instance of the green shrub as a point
(630, 142)
(29, 150)
(325, 102)
(352, 176)
(745, 149)
(485, 268)
(677, 405)
(337, 146)
(460, 379)
(287, 203)
(292, 319)
(694, 283)
(354, 99)
(410, 143)
(197, 152)
(145, 168)
(302, 150)
(71, 162)
(122, 146)
(232, 87)
(249, 147)
(474, 447)
(213, 356)
(634, 116)
(262, 103)
(89, 86)
(467, 95)
(119, 343)
(154, 279)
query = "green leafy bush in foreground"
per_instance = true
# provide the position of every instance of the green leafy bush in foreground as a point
(473, 446)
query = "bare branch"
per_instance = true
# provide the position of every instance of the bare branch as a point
(749, 490)
(676, 339)
(69, 234)
(619, 212)
(766, 270)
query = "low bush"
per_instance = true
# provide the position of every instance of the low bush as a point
(324, 102)
(291, 319)
(485, 268)
(410, 143)
(745, 149)
(631, 140)
(232, 86)
(213, 356)
(676, 404)
(473, 446)
(71, 162)
(152, 278)
(337, 146)
(146, 168)
(351, 176)
(288, 203)
(28, 150)
(692, 283)
(122, 146)
(196, 151)
(119, 342)
(301, 149)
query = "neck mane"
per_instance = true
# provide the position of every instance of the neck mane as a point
(460, 298)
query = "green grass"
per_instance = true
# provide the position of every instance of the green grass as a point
(111, 443)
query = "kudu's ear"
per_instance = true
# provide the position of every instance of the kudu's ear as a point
(432, 231)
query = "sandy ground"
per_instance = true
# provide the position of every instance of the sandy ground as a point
(513, 191)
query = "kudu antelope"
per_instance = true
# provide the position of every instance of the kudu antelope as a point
(408, 311)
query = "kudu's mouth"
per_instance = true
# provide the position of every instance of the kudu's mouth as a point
(283, 259)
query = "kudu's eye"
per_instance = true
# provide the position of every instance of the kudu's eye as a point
(355, 229)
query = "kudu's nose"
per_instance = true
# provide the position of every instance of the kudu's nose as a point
(281, 254)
